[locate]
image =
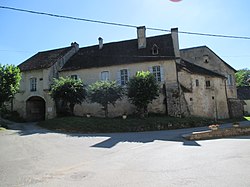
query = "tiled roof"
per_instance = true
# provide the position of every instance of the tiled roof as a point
(243, 92)
(192, 68)
(123, 52)
(43, 59)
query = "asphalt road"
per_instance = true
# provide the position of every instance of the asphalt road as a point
(31, 156)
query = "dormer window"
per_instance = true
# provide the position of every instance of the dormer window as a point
(155, 50)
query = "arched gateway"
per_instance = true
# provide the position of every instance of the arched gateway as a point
(35, 109)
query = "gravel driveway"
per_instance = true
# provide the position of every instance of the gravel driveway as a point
(32, 156)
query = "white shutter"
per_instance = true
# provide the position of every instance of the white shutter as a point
(162, 74)
(150, 69)
(100, 76)
(119, 77)
(128, 74)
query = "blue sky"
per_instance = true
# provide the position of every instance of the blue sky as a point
(23, 35)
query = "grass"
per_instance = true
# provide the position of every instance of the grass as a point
(247, 118)
(131, 124)
(2, 129)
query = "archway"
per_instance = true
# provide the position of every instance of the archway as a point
(35, 109)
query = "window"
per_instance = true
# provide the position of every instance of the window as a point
(104, 75)
(208, 84)
(75, 77)
(156, 70)
(229, 80)
(205, 58)
(155, 49)
(124, 76)
(33, 84)
(197, 82)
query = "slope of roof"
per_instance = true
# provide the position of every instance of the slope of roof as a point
(123, 52)
(204, 46)
(192, 68)
(43, 59)
(243, 92)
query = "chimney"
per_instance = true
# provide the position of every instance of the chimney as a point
(100, 42)
(141, 36)
(75, 45)
(174, 34)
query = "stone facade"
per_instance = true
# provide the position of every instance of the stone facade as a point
(89, 76)
(25, 101)
(202, 100)
(206, 58)
(180, 94)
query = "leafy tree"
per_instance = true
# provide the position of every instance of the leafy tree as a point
(67, 92)
(142, 90)
(10, 77)
(105, 93)
(242, 76)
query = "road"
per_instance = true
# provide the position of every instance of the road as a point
(32, 156)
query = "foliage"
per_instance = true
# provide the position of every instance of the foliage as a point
(10, 77)
(67, 92)
(242, 76)
(105, 93)
(142, 90)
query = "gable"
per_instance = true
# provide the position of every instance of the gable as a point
(43, 59)
(123, 52)
(200, 54)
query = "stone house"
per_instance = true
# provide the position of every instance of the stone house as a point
(206, 58)
(33, 101)
(186, 87)
(244, 95)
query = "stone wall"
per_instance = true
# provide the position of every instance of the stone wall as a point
(200, 100)
(236, 108)
(220, 133)
(204, 57)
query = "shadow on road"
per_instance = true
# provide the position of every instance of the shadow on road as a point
(24, 129)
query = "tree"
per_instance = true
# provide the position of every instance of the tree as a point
(242, 76)
(142, 90)
(10, 77)
(105, 93)
(67, 92)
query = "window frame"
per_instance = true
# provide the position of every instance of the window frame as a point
(75, 77)
(33, 84)
(157, 72)
(106, 77)
(124, 76)
(155, 50)
(208, 84)
(197, 83)
(230, 80)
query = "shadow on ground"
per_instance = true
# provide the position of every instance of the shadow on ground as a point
(24, 129)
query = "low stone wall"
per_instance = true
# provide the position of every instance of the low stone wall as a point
(220, 133)
(236, 108)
